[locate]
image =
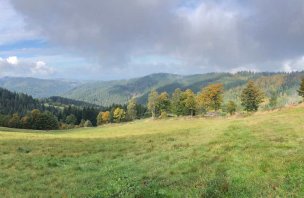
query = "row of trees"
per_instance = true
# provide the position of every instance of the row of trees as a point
(32, 120)
(120, 114)
(210, 98)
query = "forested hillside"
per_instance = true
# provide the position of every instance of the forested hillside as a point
(105, 93)
(38, 88)
(282, 85)
(11, 102)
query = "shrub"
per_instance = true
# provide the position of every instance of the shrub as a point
(88, 123)
(163, 115)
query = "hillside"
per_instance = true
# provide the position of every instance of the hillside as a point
(257, 156)
(11, 102)
(105, 93)
(38, 88)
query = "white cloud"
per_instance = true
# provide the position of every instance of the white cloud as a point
(292, 65)
(13, 60)
(12, 66)
(42, 69)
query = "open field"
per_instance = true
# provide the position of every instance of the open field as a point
(258, 156)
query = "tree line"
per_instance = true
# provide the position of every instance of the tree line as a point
(159, 105)
(187, 103)
(210, 98)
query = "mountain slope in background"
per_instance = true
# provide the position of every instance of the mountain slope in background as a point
(105, 93)
(283, 85)
(38, 88)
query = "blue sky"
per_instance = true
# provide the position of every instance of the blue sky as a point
(105, 40)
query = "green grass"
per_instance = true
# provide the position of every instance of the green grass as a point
(258, 156)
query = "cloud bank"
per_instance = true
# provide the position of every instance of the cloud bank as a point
(12, 66)
(200, 36)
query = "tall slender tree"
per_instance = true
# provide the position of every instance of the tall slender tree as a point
(177, 104)
(190, 101)
(152, 102)
(131, 109)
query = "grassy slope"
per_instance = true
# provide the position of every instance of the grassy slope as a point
(257, 156)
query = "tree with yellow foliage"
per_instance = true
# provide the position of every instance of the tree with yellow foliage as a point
(103, 118)
(211, 97)
(119, 114)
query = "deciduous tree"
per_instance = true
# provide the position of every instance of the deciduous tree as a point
(177, 102)
(131, 109)
(163, 102)
(231, 107)
(152, 102)
(211, 97)
(190, 101)
(88, 123)
(119, 115)
(71, 119)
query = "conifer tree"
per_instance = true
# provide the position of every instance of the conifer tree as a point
(301, 90)
(251, 97)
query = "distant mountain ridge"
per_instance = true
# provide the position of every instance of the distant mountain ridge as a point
(105, 93)
(38, 88)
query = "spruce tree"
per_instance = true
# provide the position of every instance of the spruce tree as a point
(301, 90)
(251, 97)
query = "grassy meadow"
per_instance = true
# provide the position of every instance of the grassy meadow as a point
(257, 156)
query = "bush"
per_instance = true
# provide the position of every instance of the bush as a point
(88, 123)
(45, 121)
(163, 115)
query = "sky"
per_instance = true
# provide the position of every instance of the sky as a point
(119, 39)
